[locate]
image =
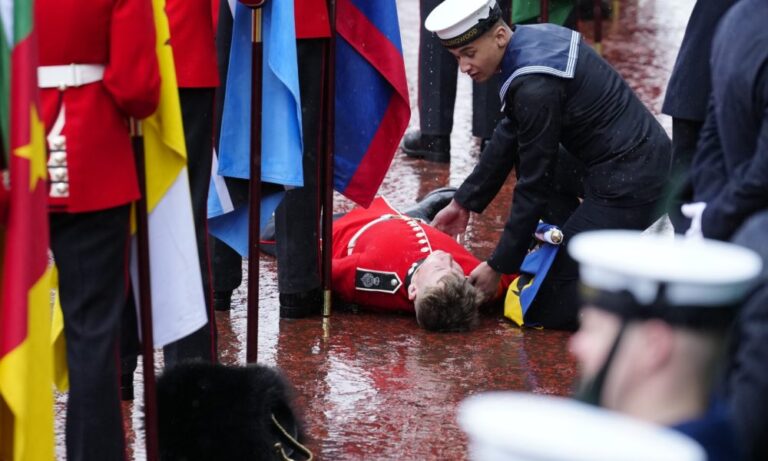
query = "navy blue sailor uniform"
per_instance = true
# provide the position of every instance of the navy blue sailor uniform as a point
(686, 100)
(558, 91)
(730, 168)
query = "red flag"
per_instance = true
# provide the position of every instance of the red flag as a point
(26, 395)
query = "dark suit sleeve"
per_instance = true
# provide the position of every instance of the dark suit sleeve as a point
(536, 104)
(708, 173)
(496, 161)
(747, 188)
(748, 378)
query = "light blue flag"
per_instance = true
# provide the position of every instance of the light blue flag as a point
(281, 123)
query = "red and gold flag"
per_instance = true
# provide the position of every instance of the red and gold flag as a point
(26, 393)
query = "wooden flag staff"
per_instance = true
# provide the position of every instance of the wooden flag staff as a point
(145, 296)
(327, 183)
(254, 202)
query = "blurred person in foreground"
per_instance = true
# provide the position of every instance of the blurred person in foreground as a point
(746, 385)
(654, 324)
(521, 426)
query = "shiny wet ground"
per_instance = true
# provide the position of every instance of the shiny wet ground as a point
(376, 387)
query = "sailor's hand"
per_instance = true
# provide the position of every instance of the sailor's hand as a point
(486, 280)
(452, 219)
(694, 211)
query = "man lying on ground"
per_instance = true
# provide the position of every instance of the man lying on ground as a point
(391, 261)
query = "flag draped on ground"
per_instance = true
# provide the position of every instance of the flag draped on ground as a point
(281, 145)
(178, 302)
(26, 370)
(372, 106)
(522, 291)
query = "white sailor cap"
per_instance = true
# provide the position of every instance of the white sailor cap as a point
(683, 281)
(515, 426)
(459, 22)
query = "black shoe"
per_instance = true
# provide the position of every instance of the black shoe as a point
(222, 300)
(433, 148)
(300, 305)
(434, 201)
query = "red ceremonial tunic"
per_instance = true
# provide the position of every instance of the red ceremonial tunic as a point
(193, 42)
(311, 18)
(120, 35)
(383, 251)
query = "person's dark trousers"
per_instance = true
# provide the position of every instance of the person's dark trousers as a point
(227, 266)
(91, 251)
(556, 305)
(130, 346)
(296, 219)
(685, 136)
(437, 87)
(197, 116)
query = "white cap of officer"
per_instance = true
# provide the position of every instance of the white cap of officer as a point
(677, 279)
(515, 426)
(459, 22)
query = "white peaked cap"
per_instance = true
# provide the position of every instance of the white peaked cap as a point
(515, 426)
(695, 272)
(452, 18)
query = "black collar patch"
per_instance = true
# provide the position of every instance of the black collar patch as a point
(382, 282)
(411, 271)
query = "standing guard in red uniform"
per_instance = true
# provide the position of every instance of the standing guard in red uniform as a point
(98, 67)
(297, 216)
(194, 53)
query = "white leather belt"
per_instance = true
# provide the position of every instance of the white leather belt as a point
(72, 75)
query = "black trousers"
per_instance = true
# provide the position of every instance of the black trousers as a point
(227, 265)
(91, 250)
(197, 115)
(557, 304)
(437, 87)
(297, 217)
(685, 136)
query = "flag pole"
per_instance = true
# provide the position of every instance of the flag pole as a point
(254, 202)
(544, 11)
(145, 296)
(327, 189)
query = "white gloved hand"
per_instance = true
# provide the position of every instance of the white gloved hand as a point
(694, 211)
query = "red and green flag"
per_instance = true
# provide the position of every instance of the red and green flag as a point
(26, 371)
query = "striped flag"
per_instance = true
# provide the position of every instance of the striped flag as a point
(178, 303)
(372, 105)
(26, 364)
(524, 287)
(281, 145)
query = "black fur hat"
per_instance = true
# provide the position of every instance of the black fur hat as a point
(217, 412)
